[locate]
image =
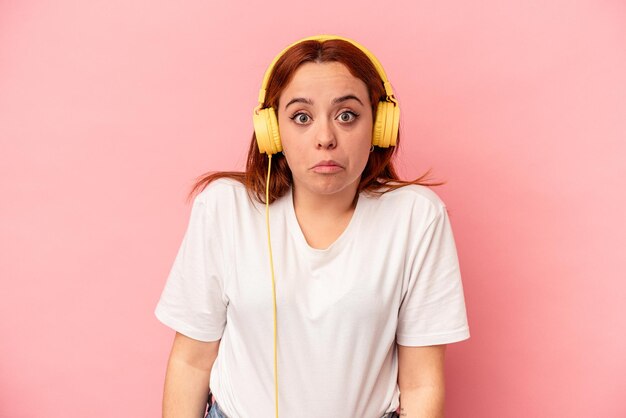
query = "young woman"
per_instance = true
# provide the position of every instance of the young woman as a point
(347, 310)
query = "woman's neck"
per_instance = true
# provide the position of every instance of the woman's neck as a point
(325, 205)
(323, 218)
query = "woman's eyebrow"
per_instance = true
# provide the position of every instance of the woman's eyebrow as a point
(299, 100)
(346, 98)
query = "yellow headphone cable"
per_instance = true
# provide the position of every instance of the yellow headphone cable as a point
(269, 243)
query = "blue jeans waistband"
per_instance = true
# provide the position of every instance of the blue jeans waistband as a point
(216, 412)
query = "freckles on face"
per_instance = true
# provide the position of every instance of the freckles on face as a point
(325, 125)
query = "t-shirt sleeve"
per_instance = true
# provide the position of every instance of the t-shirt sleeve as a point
(432, 310)
(192, 301)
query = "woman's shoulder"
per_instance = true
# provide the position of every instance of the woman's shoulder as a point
(222, 189)
(225, 196)
(411, 195)
(222, 199)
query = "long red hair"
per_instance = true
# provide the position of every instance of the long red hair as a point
(379, 175)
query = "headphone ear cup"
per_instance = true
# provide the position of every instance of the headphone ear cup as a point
(395, 127)
(388, 137)
(386, 125)
(272, 122)
(379, 125)
(266, 131)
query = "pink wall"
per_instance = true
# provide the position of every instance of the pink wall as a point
(108, 110)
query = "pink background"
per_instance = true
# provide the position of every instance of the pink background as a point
(108, 110)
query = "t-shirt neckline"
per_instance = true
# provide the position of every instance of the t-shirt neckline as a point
(341, 240)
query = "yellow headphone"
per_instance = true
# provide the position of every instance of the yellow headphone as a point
(385, 132)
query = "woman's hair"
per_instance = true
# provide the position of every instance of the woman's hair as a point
(379, 175)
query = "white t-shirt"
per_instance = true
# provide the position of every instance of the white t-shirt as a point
(392, 276)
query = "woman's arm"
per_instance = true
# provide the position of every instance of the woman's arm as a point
(421, 381)
(187, 377)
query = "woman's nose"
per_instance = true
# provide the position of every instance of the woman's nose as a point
(325, 137)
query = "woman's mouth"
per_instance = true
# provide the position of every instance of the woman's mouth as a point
(327, 167)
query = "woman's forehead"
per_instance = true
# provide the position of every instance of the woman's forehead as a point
(324, 80)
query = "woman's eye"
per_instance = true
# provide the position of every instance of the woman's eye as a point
(347, 116)
(301, 118)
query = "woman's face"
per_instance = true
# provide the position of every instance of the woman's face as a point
(325, 124)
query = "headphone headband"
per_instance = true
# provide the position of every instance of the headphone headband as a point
(324, 38)
(387, 114)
